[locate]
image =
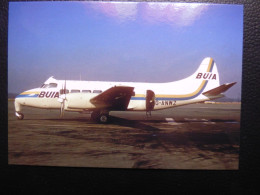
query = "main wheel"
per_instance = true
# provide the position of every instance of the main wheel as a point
(103, 118)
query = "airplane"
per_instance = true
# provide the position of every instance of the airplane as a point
(99, 98)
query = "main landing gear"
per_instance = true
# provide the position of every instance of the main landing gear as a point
(20, 116)
(100, 116)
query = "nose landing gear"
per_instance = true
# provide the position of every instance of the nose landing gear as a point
(20, 116)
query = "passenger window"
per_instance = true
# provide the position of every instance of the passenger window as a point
(97, 91)
(86, 91)
(75, 91)
(62, 91)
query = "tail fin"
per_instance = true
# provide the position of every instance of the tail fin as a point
(200, 83)
(205, 78)
(208, 73)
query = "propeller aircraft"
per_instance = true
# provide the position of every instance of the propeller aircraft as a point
(100, 98)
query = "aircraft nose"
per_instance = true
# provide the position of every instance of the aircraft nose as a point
(19, 101)
(28, 93)
(25, 98)
(21, 95)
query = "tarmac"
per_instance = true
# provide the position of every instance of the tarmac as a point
(198, 136)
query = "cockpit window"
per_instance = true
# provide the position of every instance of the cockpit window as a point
(51, 85)
(44, 86)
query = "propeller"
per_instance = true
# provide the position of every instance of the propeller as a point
(62, 99)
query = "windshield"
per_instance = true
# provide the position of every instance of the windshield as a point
(51, 85)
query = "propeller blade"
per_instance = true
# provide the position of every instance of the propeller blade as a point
(62, 110)
(65, 90)
(62, 99)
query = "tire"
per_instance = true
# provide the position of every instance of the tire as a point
(20, 116)
(103, 118)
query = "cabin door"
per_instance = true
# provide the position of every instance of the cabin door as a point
(150, 100)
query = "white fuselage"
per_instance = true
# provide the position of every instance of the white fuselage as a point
(167, 95)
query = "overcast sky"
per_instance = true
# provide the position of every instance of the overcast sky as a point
(105, 41)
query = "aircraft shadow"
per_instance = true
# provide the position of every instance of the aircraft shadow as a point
(133, 124)
(113, 121)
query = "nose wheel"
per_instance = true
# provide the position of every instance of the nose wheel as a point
(20, 116)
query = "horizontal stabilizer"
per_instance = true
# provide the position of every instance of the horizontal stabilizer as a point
(219, 90)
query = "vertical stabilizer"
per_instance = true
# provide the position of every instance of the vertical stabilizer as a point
(207, 73)
(205, 78)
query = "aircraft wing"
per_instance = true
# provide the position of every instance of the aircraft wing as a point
(115, 98)
(218, 90)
